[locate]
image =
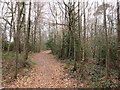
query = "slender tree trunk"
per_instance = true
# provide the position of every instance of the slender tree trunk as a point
(106, 39)
(94, 55)
(35, 33)
(118, 29)
(26, 34)
(84, 47)
(25, 39)
(17, 39)
(79, 30)
(28, 30)
(74, 40)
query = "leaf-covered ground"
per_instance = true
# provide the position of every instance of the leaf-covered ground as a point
(48, 73)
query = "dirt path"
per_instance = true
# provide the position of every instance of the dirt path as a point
(48, 73)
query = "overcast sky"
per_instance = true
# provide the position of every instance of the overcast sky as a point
(46, 8)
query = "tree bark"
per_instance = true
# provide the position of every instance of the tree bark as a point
(84, 41)
(25, 39)
(118, 30)
(107, 47)
(17, 39)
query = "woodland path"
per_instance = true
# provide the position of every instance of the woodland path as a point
(48, 73)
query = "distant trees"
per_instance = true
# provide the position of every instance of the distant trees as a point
(84, 35)
(18, 27)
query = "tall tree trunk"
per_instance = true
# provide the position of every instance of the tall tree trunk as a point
(17, 39)
(94, 54)
(79, 30)
(27, 34)
(84, 41)
(28, 29)
(74, 40)
(25, 39)
(106, 39)
(118, 29)
(35, 34)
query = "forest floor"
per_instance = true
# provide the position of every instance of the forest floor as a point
(48, 73)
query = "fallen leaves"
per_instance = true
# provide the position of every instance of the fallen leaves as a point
(48, 73)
